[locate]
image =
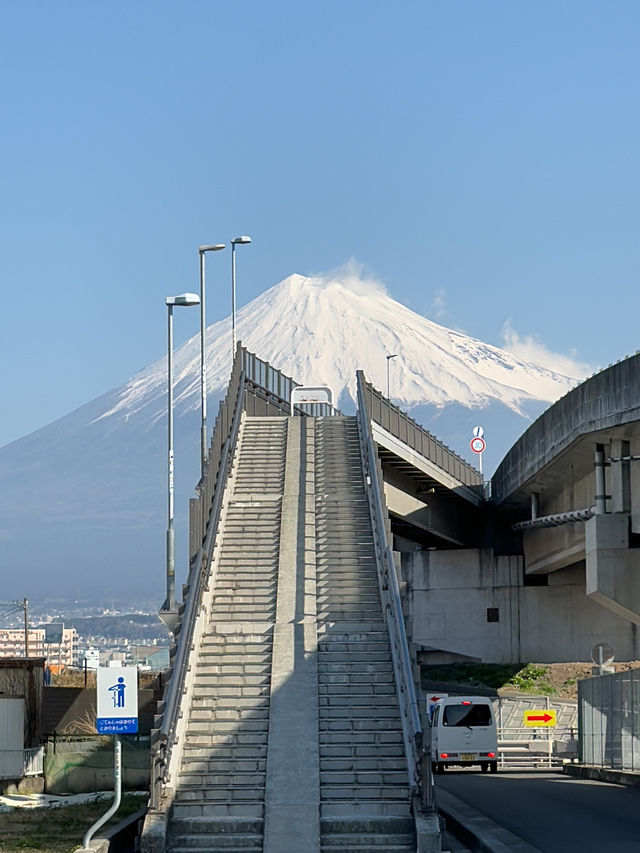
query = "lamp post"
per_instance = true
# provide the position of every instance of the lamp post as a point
(187, 300)
(202, 250)
(237, 241)
(389, 357)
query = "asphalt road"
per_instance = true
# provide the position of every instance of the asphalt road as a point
(555, 813)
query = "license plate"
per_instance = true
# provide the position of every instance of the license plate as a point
(468, 756)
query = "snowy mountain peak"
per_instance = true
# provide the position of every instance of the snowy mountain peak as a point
(321, 329)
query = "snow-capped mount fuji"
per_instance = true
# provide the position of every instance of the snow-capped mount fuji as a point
(321, 330)
(83, 499)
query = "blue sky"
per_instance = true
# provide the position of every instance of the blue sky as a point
(479, 158)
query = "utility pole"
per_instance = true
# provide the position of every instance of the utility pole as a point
(11, 607)
(25, 604)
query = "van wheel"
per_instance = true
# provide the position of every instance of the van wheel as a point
(494, 766)
(484, 766)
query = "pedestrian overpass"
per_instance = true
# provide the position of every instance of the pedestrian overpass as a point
(290, 720)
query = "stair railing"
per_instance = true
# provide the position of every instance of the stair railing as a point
(163, 756)
(419, 764)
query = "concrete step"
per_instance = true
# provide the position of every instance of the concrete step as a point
(347, 693)
(208, 785)
(365, 809)
(344, 723)
(364, 764)
(199, 827)
(227, 726)
(208, 810)
(242, 744)
(221, 764)
(225, 665)
(360, 791)
(232, 844)
(225, 795)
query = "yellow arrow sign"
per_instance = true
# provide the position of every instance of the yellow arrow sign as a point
(546, 717)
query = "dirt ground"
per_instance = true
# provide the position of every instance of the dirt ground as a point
(547, 679)
(564, 677)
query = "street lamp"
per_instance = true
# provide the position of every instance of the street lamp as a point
(389, 357)
(202, 250)
(237, 241)
(187, 300)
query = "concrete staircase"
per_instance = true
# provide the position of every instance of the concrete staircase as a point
(364, 793)
(219, 800)
(294, 740)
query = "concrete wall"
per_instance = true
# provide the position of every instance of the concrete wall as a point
(78, 768)
(552, 548)
(451, 591)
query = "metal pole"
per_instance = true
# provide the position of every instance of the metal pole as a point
(117, 781)
(535, 505)
(389, 357)
(601, 487)
(203, 367)
(170, 603)
(233, 301)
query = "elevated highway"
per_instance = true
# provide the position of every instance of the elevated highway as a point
(571, 488)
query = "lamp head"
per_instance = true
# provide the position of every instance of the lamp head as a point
(214, 247)
(241, 240)
(186, 299)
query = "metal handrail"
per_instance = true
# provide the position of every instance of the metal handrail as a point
(166, 738)
(418, 766)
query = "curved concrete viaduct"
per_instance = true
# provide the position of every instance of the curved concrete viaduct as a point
(557, 567)
(576, 466)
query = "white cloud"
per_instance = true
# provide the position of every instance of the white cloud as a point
(353, 276)
(530, 348)
(439, 303)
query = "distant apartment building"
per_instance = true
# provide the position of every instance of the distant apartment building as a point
(56, 644)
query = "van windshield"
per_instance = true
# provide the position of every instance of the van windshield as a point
(466, 715)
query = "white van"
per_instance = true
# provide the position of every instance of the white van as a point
(463, 731)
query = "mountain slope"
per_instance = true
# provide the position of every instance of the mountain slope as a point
(321, 331)
(83, 500)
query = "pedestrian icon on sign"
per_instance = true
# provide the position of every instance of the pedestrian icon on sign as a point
(117, 693)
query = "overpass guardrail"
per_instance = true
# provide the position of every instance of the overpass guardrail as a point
(419, 767)
(399, 424)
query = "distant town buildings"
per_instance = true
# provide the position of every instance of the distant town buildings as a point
(55, 643)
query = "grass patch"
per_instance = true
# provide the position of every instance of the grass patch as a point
(531, 679)
(59, 829)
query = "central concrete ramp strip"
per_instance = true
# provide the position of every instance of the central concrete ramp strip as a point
(292, 820)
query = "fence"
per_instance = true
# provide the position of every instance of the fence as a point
(400, 425)
(609, 720)
(17, 763)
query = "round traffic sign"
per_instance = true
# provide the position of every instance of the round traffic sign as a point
(478, 444)
(602, 653)
(478, 432)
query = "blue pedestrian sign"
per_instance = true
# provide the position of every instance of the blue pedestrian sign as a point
(117, 700)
